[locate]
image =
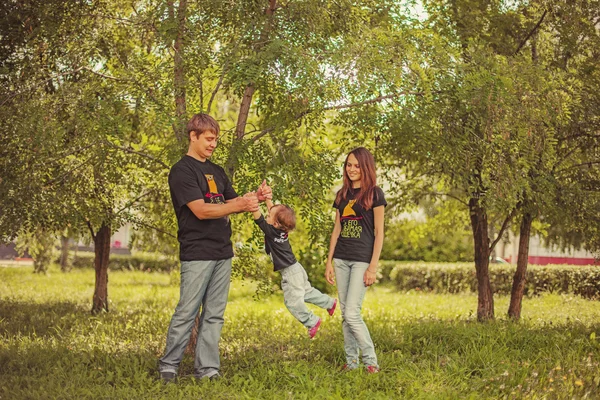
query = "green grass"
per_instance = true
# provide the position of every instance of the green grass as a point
(429, 346)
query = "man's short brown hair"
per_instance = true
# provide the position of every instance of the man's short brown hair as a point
(285, 217)
(201, 123)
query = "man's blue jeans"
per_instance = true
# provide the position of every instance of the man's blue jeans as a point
(206, 284)
(297, 291)
(349, 277)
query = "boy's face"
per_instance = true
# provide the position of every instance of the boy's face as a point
(271, 217)
(204, 144)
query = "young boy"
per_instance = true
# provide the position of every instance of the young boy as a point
(294, 282)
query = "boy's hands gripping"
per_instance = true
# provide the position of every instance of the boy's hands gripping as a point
(264, 191)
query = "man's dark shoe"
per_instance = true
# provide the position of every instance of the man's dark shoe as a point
(211, 377)
(167, 377)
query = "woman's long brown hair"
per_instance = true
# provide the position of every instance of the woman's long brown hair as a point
(368, 179)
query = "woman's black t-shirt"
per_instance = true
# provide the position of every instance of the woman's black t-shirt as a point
(200, 239)
(357, 236)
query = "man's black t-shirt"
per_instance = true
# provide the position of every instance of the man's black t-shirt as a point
(207, 239)
(277, 245)
(357, 236)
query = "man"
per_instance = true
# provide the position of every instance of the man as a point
(203, 198)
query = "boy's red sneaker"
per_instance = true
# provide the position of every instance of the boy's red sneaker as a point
(371, 369)
(313, 331)
(348, 367)
(332, 309)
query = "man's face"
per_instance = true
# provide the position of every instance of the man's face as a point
(204, 144)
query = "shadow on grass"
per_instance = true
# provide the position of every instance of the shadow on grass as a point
(41, 319)
(271, 347)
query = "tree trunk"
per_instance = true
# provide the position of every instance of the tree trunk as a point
(240, 131)
(101, 250)
(481, 241)
(65, 265)
(179, 73)
(519, 279)
(240, 128)
(191, 347)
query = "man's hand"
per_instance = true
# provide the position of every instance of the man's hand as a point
(248, 202)
(264, 191)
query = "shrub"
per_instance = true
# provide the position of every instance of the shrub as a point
(138, 262)
(460, 277)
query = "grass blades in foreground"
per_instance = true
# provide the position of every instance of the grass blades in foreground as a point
(429, 346)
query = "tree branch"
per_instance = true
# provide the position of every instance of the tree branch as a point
(509, 217)
(376, 100)
(437, 194)
(579, 135)
(89, 225)
(341, 107)
(104, 75)
(589, 164)
(535, 28)
(218, 85)
(67, 173)
(130, 203)
(38, 84)
(145, 225)
(131, 151)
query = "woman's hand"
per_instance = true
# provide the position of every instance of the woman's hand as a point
(370, 276)
(329, 273)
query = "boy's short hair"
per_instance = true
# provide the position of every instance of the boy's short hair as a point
(201, 123)
(285, 217)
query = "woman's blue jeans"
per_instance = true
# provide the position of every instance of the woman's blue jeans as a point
(351, 292)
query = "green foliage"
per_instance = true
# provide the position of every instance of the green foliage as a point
(41, 246)
(460, 277)
(427, 345)
(443, 236)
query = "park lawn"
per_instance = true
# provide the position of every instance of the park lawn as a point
(429, 345)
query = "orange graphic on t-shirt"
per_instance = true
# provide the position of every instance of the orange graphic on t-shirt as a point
(348, 210)
(212, 185)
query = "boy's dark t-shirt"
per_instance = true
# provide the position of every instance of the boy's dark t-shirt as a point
(357, 236)
(277, 245)
(207, 239)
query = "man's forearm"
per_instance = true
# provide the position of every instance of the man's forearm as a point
(214, 211)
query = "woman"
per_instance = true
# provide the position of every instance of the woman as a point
(354, 250)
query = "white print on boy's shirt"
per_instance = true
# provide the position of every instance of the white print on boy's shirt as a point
(283, 238)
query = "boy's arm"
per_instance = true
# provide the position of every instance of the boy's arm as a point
(269, 204)
(256, 214)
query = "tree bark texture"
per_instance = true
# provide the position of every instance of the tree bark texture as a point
(481, 241)
(179, 72)
(191, 347)
(519, 279)
(65, 266)
(101, 252)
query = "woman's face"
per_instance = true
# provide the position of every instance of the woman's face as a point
(353, 169)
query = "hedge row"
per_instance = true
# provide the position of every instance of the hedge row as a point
(137, 262)
(460, 277)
